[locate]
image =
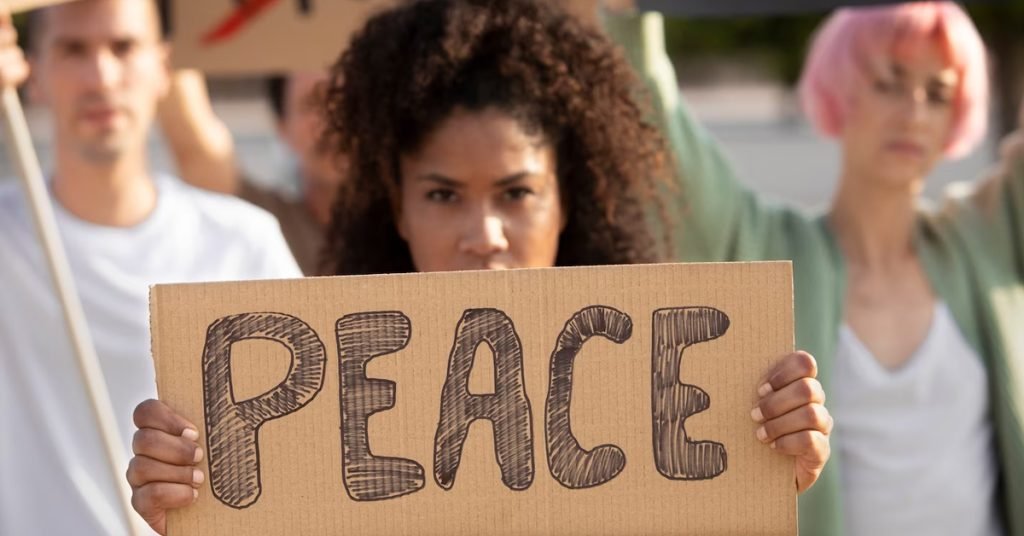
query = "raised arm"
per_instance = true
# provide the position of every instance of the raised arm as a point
(991, 211)
(1001, 199)
(715, 217)
(200, 142)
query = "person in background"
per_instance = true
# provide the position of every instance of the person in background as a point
(480, 148)
(101, 67)
(205, 154)
(912, 311)
(1011, 149)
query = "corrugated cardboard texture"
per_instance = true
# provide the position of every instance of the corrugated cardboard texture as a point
(281, 36)
(614, 394)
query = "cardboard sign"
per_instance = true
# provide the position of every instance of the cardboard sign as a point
(274, 36)
(17, 6)
(258, 36)
(729, 8)
(563, 401)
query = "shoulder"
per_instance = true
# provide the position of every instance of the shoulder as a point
(12, 199)
(226, 222)
(20, 250)
(219, 212)
(15, 217)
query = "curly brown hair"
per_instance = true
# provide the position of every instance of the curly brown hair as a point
(410, 67)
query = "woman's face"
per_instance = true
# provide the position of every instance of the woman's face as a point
(480, 193)
(901, 117)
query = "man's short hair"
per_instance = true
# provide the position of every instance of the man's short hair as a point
(35, 23)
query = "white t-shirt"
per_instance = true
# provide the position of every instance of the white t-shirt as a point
(917, 442)
(53, 473)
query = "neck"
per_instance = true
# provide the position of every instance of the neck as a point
(874, 224)
(119, 193)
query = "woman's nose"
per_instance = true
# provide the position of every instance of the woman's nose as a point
(484, 234)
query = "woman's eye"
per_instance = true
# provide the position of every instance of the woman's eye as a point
(441, 196)
(517, 194)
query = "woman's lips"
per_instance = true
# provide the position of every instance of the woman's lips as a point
(907, 148)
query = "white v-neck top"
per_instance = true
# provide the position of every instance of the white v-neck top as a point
(916, 442)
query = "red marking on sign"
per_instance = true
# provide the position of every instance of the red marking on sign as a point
(237, 20)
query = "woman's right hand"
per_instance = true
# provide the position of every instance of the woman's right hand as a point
(163, 473)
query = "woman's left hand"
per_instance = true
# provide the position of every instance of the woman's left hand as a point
(792, 415)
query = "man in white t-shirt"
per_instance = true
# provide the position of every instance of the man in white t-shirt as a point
(101, 67)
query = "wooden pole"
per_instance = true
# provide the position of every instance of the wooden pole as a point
(23, 155)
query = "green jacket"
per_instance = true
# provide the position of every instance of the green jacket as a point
(972, 248)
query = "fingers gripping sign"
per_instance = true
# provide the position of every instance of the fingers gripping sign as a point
(792, 415)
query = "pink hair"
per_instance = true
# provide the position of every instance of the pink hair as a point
(850, 36)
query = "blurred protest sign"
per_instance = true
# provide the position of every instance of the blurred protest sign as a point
(229, 37)
(273, 36)
(727, 8)
(645, 429)
(15, 6)
(226, 37)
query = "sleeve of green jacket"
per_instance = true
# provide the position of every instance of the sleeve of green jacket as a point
(714, 217)
(1010, 214)
(1005, 209)
(1015, 216)
(988, 217)
(987, 220)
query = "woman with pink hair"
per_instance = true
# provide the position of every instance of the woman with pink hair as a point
(913, 313)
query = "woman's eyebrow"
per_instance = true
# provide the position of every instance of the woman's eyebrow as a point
(441, 179)
(512, 179)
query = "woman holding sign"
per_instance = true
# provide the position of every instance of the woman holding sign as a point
(501, 135)
(914, 313)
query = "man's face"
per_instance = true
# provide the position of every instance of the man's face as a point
(101, 68)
